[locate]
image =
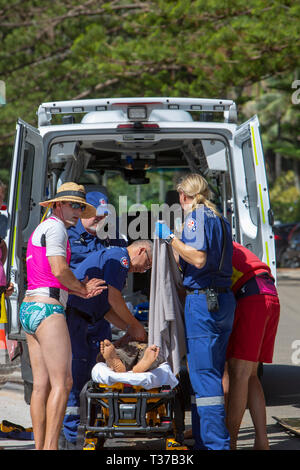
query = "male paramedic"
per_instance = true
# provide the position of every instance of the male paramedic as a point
(113, 265)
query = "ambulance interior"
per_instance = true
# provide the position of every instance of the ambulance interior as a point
(144, 174)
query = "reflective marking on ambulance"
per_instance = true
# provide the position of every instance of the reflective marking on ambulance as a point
(263, 216)
(262, 204)
(254, 145)
(267, 253)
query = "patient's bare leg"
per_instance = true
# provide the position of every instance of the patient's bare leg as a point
(150, 355)
(109, 353)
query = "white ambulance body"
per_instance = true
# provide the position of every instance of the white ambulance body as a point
(136, 138)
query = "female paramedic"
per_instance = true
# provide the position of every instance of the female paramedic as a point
(205, 258)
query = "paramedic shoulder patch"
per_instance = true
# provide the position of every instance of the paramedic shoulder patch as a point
(124, 262)
(191, 225)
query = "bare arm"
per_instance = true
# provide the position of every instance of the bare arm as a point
(135, 328)
(114, 318)
(189, 254)
(9, 290)
(61, 270)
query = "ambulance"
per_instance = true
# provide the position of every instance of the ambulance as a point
(137, 147)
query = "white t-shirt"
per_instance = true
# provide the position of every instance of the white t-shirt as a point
(56, 236)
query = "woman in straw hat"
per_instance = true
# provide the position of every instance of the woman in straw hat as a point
(42, 312)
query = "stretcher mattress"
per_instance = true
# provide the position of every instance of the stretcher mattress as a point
(158, 377)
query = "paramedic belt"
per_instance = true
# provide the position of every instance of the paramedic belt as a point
(211, 295)
(217, 290)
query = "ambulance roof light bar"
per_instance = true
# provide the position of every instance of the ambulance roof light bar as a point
(136, 108)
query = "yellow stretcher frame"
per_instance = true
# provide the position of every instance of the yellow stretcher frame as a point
(108, 411)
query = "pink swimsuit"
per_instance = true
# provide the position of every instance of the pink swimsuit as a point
(39, 274)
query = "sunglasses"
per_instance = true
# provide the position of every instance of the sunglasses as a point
(76, 205)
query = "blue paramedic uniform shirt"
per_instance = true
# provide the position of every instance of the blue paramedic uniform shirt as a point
(110, 264)
(203, 231)
(83, 242)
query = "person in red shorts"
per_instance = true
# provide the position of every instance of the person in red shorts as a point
(251, 342)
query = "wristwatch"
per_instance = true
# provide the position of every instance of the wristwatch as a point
(169, 239)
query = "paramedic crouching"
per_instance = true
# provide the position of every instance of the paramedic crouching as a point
(113, 265)
(209, 306)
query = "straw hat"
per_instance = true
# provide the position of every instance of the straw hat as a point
(72, 192)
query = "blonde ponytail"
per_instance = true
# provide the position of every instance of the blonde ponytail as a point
(195, 186)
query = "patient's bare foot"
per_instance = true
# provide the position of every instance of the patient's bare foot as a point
(109, 353)
(150, 355)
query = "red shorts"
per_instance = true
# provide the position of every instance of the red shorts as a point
(254, 328)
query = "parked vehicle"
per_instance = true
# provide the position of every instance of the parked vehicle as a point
(281, 235)
(291, 255)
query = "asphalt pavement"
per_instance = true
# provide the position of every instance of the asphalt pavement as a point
(281, 383)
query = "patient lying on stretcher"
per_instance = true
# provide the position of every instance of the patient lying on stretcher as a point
(125, 360)
(132, 356)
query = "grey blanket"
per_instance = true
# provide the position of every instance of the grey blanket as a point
(166, 306)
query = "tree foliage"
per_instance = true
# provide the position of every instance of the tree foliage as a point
(279, 117)
(68, 49)
(285, 198)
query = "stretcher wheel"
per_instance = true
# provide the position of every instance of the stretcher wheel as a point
(171, 444)
(93, 443)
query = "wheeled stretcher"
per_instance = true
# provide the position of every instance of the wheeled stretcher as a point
(126, 410)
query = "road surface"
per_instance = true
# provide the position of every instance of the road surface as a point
(281, 382)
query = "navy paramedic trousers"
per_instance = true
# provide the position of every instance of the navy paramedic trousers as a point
(85, 341)
(207, 336)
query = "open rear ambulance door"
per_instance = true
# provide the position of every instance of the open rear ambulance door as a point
(255, 218)
(26, 187)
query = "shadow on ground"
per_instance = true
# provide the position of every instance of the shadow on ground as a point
(278, 439)
(281, 384)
